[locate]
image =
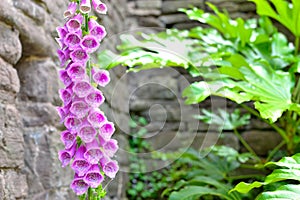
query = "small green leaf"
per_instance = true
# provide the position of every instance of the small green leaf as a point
(244, 188)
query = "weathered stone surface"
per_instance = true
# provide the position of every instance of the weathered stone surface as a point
(262, 141)
(12, 185)
(149, 4)
(44, 172)
(10, 83)
(173, 6)
(39, 80)
(38, 114)
(173, 18)
(11, 140)
(142, 12)
(11, 48)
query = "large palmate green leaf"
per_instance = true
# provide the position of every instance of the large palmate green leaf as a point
(289, 170)
(283, 192)
(283, 11)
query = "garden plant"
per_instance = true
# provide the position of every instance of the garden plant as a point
(248, 62)
(89, 148)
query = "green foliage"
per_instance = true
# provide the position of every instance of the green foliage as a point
(224, 119)
(286, 169)
(198, 174)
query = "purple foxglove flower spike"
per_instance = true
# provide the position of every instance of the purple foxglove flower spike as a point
(106, 130)
(80, 109)
(62, 114)
(87, 133)
(71, 10)
(96, 118)
(79, 186)
(76, 71)
(68, 139)
(111, 147)
(89, 43)
(80, 165)
(85, 6)
(79, 55)
(93, 177)
(65, 156)
(99, 7)
(101, 77)
(96, 30)
(111, 168)
(75, 23)
(61, 43)
(93, 153)
(94, 98)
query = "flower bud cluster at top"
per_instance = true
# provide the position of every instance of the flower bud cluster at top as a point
(89, 148)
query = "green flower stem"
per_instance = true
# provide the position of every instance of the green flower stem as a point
(297, 40)
(246, 145)
(276, 149)
(274, 126)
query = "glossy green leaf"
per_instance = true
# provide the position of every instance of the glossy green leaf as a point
(285, 192)
(286, 13)
(194, 192)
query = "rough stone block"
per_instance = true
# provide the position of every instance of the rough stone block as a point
(11, 48)
(257, 140)
(12, 185)
(38, 114)
(11, 138)
(173, 6)
(39, 79)
(149, 4)
(10, 83)
(173, 18)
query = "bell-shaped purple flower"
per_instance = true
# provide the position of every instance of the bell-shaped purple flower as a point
(61, 43)
(95, 98)
(67, 138)
(76, 71)
(107, 130)
(111, 147)
(72, 123)
(96, 30)
(80, 109)
(62, 32)
(80, 165)
(75, 23)
(85, 6)
(78, 185)
(62, 114)
(96, 118)
(111, 168)
(93, 152)
(72, 40)
(87, 133)
(82, 88)
(89, 43)
(65, 96)
(63, 56)
(79, 55)
(65, 78)
(101, 77)
(71, 10)
(93, 177)
(99, 7)
(65, 156)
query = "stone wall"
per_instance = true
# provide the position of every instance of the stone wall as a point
(29, 126)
